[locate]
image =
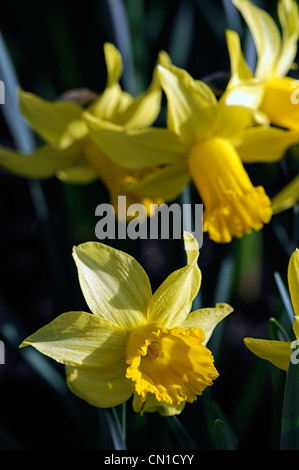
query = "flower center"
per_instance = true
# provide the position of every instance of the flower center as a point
(172, 364)
(233, 206)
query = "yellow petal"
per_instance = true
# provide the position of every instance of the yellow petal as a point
(58, 123)
(276, 352)
(289, 19)
(287, 197)
(207, 319)
(144, 109)
(77, 174)
(79, 339)
(113, 63)
(265, 34)
(114, 284)
(192, 106)
(151, 405)
(172, 301)
(233, 119)
(296, 326)
(293, 280)
(119, 181)
(135, 148)
(166, 183)
(111, 104)
(44, 162)
(264, 144)
(239, 68)
(103, 387)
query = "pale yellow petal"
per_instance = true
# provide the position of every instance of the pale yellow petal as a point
(77, 174)
(296, 326)
(287, 197)
(79, 339)
(264, 144)
(144, 109)
(111, 104)
(152, 405)
(114, 284)
(136, 148)
(293, 280)
(172, 301)
(289, 19)
(113, 63)
(166, 183)
(239, 67)
(233, 119)
(265, 34)
(191, 104)
(59, 123)
(276, 352)
(44, 162)
(103, 387)
(207, 318)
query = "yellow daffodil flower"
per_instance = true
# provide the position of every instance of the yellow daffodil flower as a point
(135, 342)
(207, 141)
(268, 88)
(279, 352)
(69, 153)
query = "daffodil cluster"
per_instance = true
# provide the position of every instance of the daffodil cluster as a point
(206, 140)
(136, 343)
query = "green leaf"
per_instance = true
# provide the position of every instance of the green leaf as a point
(225, 439)
(284, 296)
(290, 413)
(185, 439)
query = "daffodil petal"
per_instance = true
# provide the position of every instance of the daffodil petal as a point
(59, 123)
(287, 197)
(192, 106)
(276, 352)
(238, 65)
(166, 183)
(44, 162)
(135, 148)
(233, 119)
(207, 318)
(264, 144)
(296, 326)
(144, 109)
(114, 284)
(79, 339)
(172, 301)
(151, 405)
(265, 34)
(293, 280)
(289, 19)
(103, 387)
(77, 174)
(114, 63)
(111, 104)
